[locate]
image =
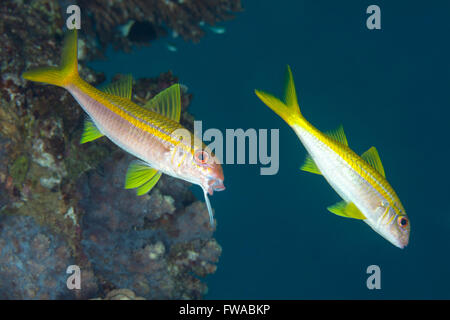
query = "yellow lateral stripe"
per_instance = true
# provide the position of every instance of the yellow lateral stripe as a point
(102, 98)
(354, 161)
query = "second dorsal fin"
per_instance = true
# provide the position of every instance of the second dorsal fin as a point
(167, 103)
(338, 135)
(90, 131)
(121, 88)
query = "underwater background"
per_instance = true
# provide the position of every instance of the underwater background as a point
(389, 88)
(275, 239)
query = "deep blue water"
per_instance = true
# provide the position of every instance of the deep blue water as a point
(389, 88)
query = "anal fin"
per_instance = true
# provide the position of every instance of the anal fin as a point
(90, 131)
(310, 165)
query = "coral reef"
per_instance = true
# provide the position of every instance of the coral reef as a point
(151, 244)
(63, 203)
(140, 21)
(34, 262)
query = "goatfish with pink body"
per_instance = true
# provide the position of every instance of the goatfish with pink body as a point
(152, 133)
(359, 180)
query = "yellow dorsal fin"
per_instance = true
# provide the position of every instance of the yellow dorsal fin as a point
(348, 210)
(121, 88)
(142, 177)
(372, 157)
(310, 165)
(90, 131)
(338, 135)
(167, 103)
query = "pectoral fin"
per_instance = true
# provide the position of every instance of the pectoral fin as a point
(346, 209)
(141, 177)
(90, 132)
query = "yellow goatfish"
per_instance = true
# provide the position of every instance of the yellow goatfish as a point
(152, 132)
(359, 180)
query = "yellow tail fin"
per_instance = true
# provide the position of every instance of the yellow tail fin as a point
(66, 72)
(289, 110)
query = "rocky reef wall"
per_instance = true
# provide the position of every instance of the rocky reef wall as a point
(62, 203)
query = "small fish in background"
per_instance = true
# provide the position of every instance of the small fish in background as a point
(171, 47)
(359, 180)
(125, 28)
(217, 29)
(152, 132)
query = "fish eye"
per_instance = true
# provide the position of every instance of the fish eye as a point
(402, 222)
(201, 156)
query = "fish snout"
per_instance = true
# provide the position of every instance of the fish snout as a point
(403, 230)
(213, 177)
(215, 185)
(399, 235)
(403, 241)
(400, 243)
(218, 186)
(217, 172)
(215, 181)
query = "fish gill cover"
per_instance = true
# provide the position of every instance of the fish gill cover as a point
(62, 202)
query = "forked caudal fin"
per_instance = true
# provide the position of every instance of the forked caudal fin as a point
(288, 109)
(68, 69)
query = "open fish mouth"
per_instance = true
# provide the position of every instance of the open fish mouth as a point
(215, 185)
